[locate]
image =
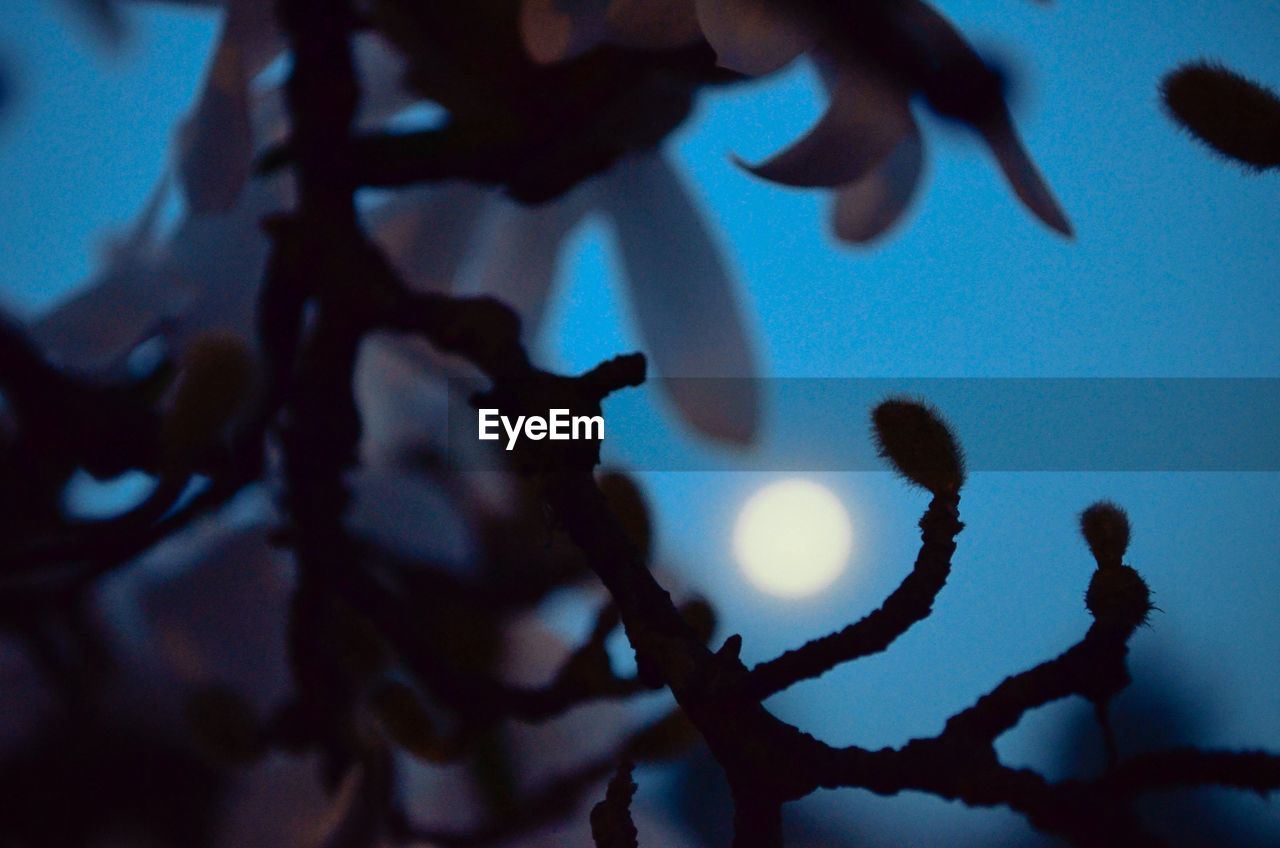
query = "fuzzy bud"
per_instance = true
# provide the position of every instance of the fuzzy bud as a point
(913, 436)
(214, 380)
(1235, 116)
(1106, 528)
(1119, 595)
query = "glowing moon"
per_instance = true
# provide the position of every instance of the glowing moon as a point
(793, 538)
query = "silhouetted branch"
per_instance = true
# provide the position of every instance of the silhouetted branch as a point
(360, 644)
(1093, 668)
(1257, 771)
(909, 604)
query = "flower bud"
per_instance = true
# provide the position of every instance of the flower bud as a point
(912, 436)
(1106, 528)
(214, 379)
(1235, 116)
(1118, 595)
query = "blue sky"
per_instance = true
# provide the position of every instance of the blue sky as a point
(1173, 272)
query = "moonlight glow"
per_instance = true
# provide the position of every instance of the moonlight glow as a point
(793, 538)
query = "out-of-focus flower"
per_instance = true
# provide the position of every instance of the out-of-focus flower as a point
(872, 58)
(203, 273)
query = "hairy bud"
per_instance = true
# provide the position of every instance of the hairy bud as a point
(214, 380)
(1235, 116)
(912, 435)
(1106, 528)
(1119, 595)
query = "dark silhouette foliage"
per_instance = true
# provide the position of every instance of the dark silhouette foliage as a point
(392, 658)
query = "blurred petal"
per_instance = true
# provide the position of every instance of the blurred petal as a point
(867, 115)
(280, 802)
(222, 619)
(753, 36)
(121, 305)
(684, 299)
(225, 255)
(117, 310)
(382, 71)
(993, 122)
(867, 208)
(555, 30)
(426, 232)
(216, 147)
(1022, 174)
(407, 512)
(519, 251)
(652, 24)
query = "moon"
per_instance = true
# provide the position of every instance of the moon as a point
(793, 538)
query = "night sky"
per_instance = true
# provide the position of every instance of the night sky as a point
(1172, 273)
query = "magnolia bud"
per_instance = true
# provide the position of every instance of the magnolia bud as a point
(1119, 595)
(1236, 117)
(1106, 528)
(214, 379)
(913, 436)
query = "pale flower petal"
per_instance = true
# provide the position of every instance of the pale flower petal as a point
(1023, 175)
(684, 299)
(519, 249)
(216, 141)
(867, 114)
(754, 37)
(116, 311)
(222, 620)
(867, 208)
(426, 232)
